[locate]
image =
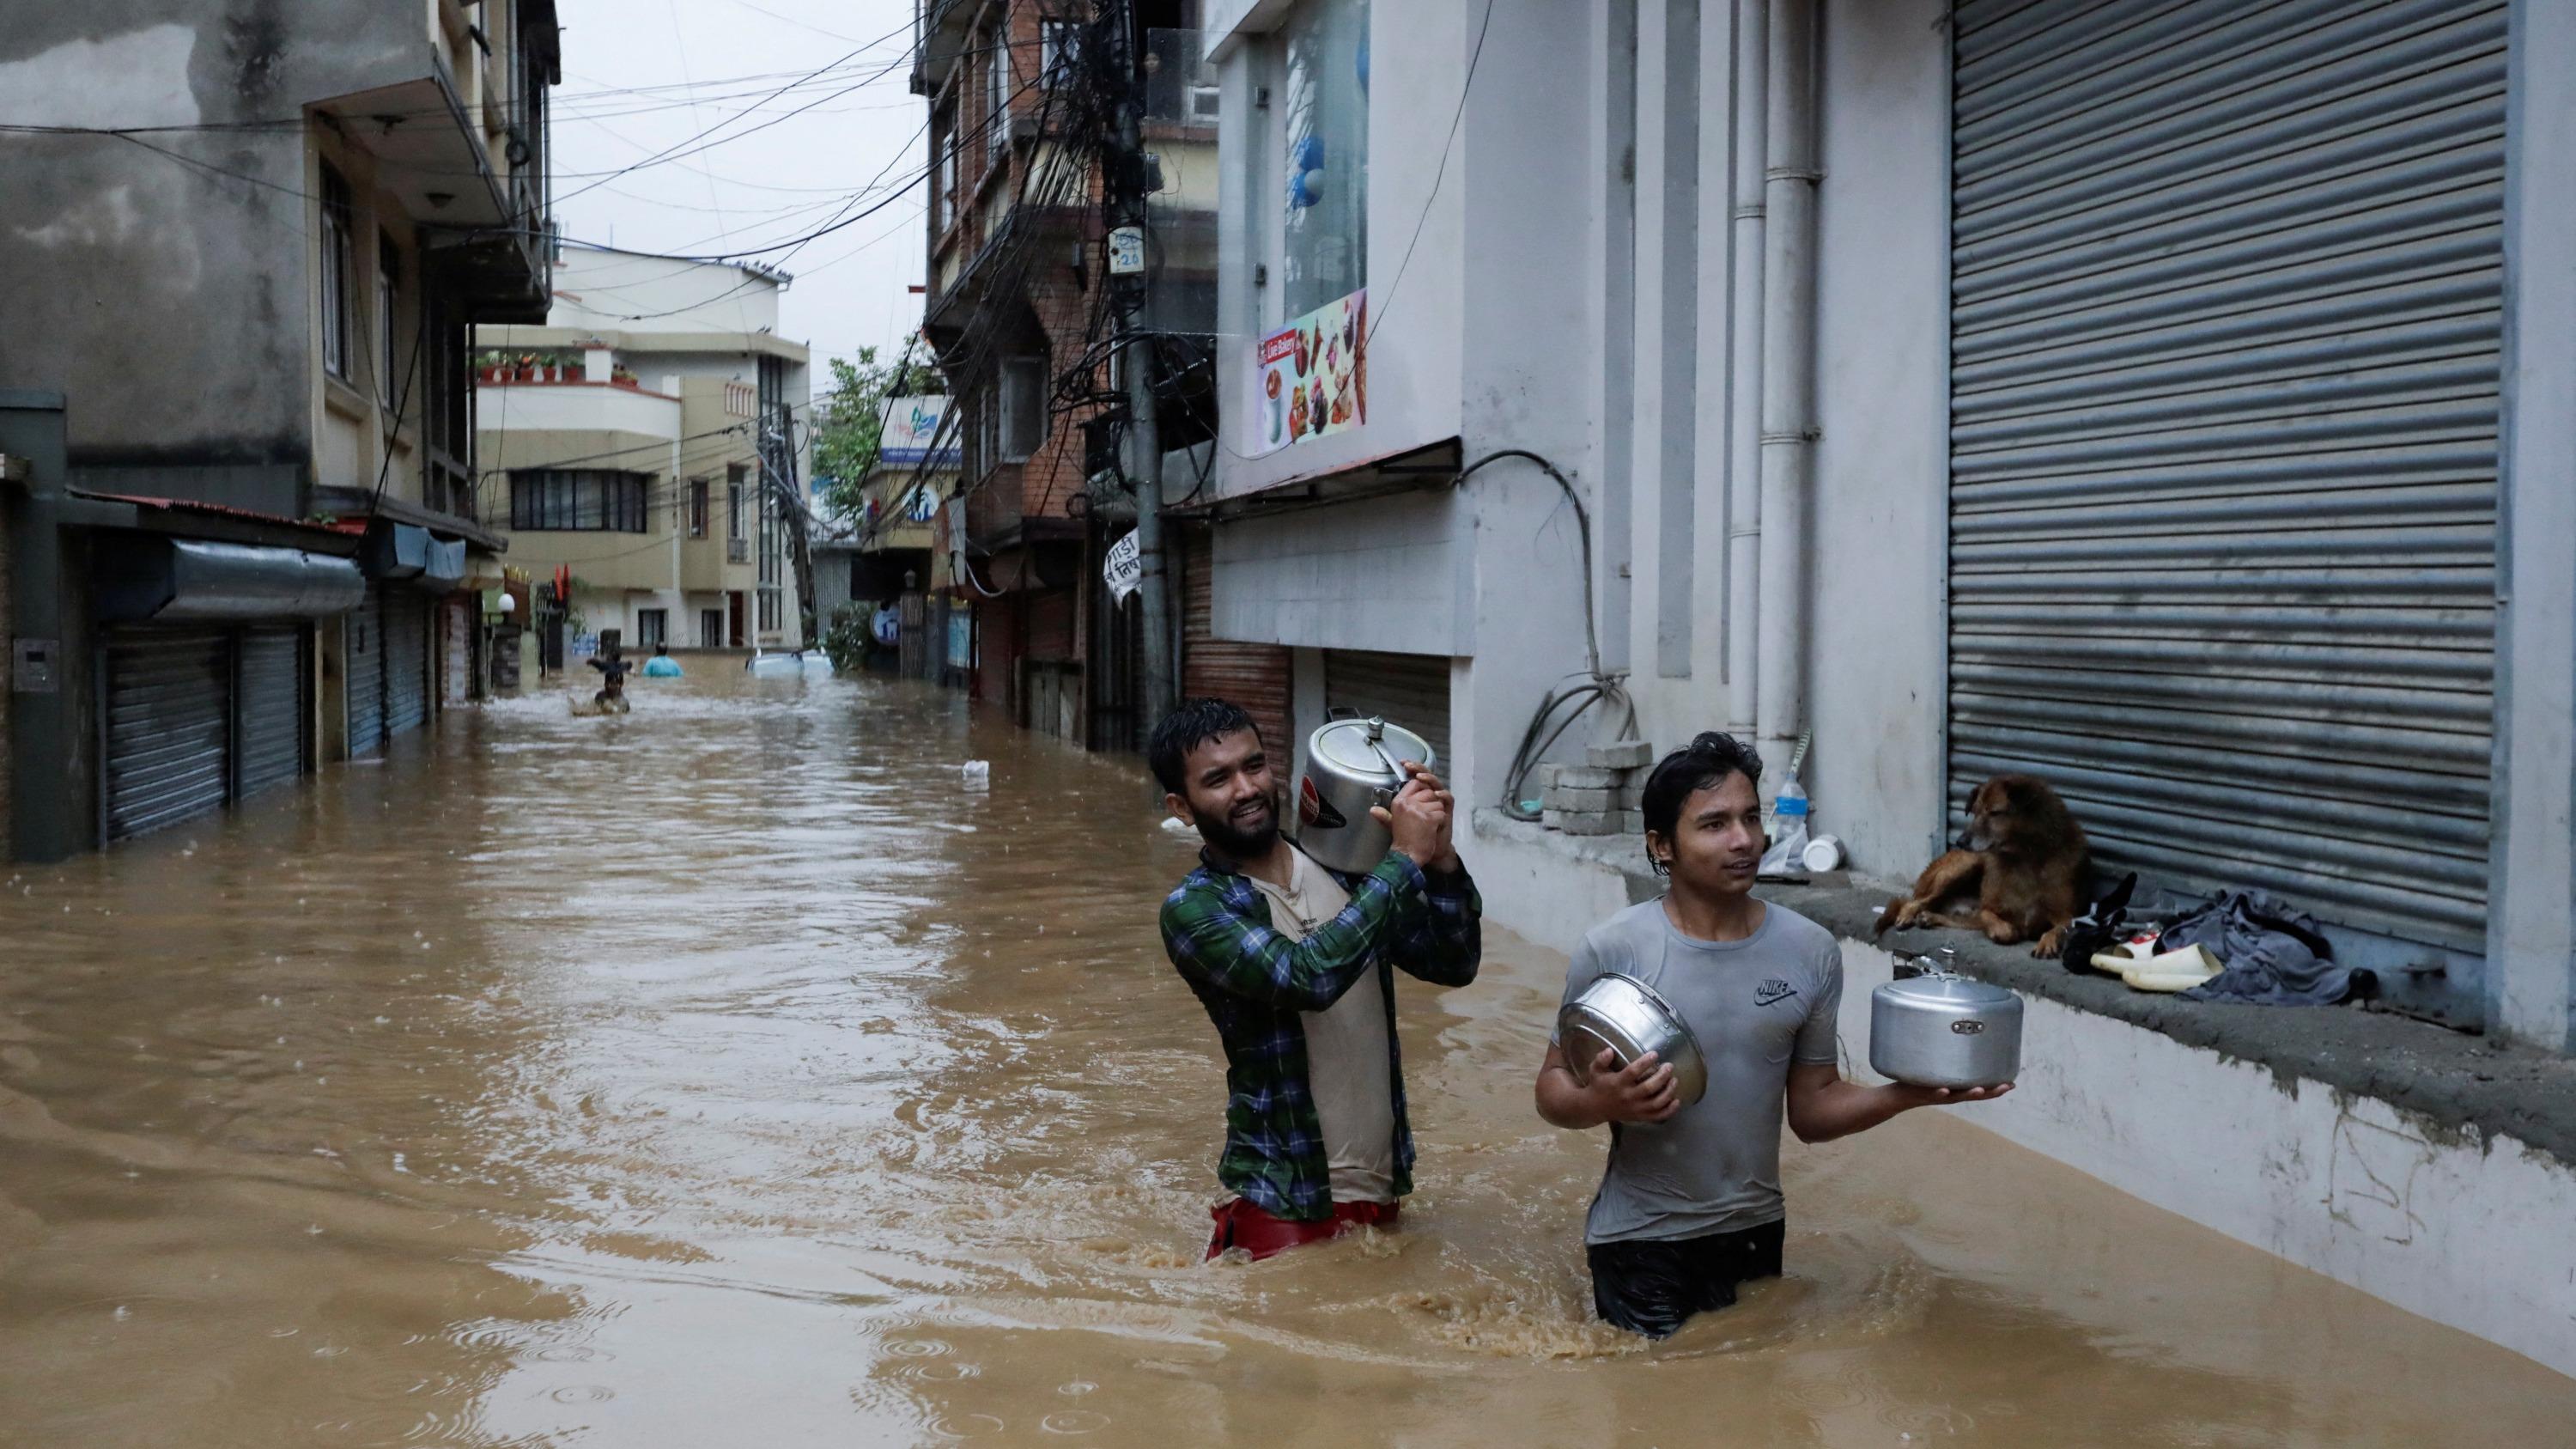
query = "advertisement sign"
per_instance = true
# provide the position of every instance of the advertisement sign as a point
(1125, 569)
(911, 429)
(1310, 378)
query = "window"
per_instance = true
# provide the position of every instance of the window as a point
(1023, 425)
(577, 500)
(652, 628)
(711, 630)
(337, 228)
(997, 93)
(943, 168)
(388, 276)
(1323, 131)
(769, 611)
(1060, 52)
(733, 500)
(697, 508)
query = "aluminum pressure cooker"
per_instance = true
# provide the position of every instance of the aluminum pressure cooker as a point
(1940, 1029)
(1353, 765)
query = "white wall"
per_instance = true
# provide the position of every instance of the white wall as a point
(621, 291)
(563, 406)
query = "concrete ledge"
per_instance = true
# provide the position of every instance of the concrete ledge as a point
(2455, 1083)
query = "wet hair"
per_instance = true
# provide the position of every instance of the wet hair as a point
(1192, 724)
(661, 648)
(1704, 762)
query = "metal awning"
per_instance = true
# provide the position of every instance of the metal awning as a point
(149, 576)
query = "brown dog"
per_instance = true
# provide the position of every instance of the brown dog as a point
(2024, 858)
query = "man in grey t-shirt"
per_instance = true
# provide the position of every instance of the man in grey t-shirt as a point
(1690, 1205)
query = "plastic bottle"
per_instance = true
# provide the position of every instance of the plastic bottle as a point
(1788, 830)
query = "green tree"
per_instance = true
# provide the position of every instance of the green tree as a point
(850, 419)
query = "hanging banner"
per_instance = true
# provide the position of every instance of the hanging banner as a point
(1125, 568)
(1310, 378)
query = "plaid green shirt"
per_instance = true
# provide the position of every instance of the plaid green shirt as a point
(1254, 982)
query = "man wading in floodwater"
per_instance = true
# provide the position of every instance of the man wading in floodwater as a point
(1290, 960)
(1690, 1205)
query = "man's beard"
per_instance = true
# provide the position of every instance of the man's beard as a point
(1232, 841)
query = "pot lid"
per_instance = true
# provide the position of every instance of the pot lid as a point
(1363, 747)
(1956, 991)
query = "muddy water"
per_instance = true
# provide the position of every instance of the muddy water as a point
(722, 1074)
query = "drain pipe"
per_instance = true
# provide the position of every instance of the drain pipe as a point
(1788, 375)
(1744, 371)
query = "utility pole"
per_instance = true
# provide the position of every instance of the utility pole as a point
(1131, 182)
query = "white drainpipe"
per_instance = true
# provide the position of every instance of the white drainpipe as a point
(1788, 375)
(1744, 372)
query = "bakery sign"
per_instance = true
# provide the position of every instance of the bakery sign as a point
(1310, 378)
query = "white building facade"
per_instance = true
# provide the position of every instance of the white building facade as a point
(2170, 400)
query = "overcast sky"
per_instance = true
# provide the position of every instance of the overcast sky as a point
(647, 76)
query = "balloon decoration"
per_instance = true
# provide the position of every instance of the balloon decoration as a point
(1306, 172)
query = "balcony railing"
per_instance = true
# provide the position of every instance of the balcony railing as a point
(737, 550)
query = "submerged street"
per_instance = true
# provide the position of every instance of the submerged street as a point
(724, 1073)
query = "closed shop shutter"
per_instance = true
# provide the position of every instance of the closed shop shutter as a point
(1411, 690)
(269, 707)
(168, 731)
(363, 651)
(1254, 676)
(406, 629)
(2225, 298)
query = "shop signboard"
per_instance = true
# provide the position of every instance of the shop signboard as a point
(1310, 378)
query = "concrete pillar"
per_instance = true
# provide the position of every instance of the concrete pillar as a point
(2531, 932)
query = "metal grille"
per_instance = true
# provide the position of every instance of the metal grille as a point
(364, 653)
(1407, 689)
(406, 624)
(167, 731)
(2225, 292)
(1254, 676)
(269, 707)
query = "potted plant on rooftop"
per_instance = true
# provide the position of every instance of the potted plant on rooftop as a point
(527, 369)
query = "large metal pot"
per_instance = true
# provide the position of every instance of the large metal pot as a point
(1351, 766)
(1629, 1017)
(1940, 1029)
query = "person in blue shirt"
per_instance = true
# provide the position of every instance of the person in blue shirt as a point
(661, 665)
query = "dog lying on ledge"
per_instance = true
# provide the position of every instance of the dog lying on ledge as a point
(2017, 873)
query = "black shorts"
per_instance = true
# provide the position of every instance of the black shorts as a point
(1649, 1287)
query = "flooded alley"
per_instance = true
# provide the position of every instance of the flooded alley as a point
(723, 1073)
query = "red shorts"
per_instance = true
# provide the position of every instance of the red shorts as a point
(1239, 1224)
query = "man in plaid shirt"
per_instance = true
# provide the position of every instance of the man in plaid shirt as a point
(1316, 1140)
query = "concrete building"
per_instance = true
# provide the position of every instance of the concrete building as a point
(887, 550)
(2169, 400)
(240, 269)
(649, 436)
(1018, 303)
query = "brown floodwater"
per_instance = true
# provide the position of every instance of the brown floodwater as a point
(724, 1073)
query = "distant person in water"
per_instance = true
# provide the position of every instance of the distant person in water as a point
(611, 698)
(1292, 962)
(661, 665)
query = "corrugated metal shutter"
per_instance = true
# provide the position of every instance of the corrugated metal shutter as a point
(1411, 690)
(364, 654)
(269, 711)
(168, 727)
(1255, 676)
(2225, 303)
(406, 660)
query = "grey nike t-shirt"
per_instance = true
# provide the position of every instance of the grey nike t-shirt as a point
(1756, 1006)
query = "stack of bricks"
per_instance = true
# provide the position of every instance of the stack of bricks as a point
(1600, 796)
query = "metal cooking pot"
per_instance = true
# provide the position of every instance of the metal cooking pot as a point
(1629, 1017)
(1352, 765)
(1940, 1029)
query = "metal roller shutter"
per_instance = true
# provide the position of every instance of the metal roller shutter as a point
(2225, 292)
(167, 730)
(1408, 689)
(1255, 676)
(364, 654)
(268, 707)
(406, 625)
